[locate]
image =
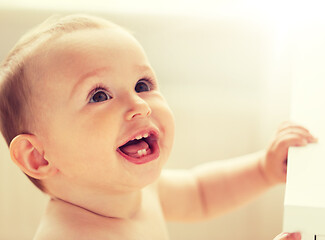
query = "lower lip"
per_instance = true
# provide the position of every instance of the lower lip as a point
(145, 159)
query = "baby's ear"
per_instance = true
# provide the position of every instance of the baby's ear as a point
(27, 153)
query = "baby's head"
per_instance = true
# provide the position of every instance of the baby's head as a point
(81, 110)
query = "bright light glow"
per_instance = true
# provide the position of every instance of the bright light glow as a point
(279, 11)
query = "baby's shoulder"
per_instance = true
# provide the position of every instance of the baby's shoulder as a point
(68, 227)
(59, 228)
(53, 232)
(62, 221)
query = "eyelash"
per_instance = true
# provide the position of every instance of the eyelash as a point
(98, 87)
(152, 83)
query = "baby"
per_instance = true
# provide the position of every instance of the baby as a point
(84, 119)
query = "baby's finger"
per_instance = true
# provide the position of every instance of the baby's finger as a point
(290, 140)
(288, 124)
(302, 132)
(288, 236)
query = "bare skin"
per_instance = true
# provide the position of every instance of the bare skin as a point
(94, 92)
(65, 221)
(288, 236)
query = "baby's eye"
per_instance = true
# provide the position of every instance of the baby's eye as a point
(143, 86)
(99, 96)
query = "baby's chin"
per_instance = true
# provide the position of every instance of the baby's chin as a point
(140, 176)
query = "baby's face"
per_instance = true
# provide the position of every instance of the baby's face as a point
(101, 119)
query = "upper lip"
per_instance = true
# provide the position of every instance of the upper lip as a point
(150, 131)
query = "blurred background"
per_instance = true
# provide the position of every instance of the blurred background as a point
(225, 67)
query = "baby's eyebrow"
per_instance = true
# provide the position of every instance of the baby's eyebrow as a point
(85, 76)
(143, 68)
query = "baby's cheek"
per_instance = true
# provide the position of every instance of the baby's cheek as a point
(169, 120)
(166, 123)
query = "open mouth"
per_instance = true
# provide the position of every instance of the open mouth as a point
(141, 149)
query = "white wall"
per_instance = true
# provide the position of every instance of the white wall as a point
(227, 80)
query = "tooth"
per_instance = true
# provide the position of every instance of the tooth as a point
(144, 152)
(138, 137)
(146, 135)
(140, 153)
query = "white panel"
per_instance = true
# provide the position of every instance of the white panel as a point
(305, 190)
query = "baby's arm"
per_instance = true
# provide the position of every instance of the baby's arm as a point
(213, 188)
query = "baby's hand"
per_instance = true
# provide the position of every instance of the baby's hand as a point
(288, 236)
(274, 163)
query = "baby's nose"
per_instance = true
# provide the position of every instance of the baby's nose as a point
(138, 108)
